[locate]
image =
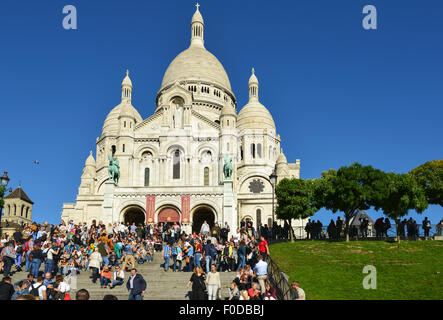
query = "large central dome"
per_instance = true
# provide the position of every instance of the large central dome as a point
(196, 63)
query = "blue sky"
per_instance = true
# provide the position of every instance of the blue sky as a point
(338, 93)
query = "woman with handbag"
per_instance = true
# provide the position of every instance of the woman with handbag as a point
(198, 284)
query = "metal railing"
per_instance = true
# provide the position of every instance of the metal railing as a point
(279, 280)
(435, 230)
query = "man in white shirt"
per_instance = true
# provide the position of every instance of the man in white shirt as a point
(119, 277)
(40, 287)
(236, 236)
(205, 228)
(261, 271)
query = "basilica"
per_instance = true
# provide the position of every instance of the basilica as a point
(171, 164)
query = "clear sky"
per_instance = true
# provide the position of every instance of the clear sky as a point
(338, 93)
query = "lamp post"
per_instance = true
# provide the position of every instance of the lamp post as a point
(4, 182)
(273, 179)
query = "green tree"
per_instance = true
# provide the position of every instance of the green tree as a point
(2, 193)
(350, 189)
(430, 176)
(402, 193)
(295, 200)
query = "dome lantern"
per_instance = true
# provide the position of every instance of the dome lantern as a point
(127, 89)
(253, 86)
(197, 28)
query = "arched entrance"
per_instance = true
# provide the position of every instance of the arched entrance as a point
(201, 214)
(134, 214)
(168, 215)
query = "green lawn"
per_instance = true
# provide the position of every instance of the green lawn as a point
(334, 270)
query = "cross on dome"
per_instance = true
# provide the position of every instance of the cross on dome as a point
(197, 5)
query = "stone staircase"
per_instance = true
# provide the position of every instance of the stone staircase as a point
(161, 285)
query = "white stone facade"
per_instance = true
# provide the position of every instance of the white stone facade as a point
(171, 163)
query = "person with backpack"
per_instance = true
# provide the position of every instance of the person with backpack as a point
(36, 258)
(426, 225)
(167, 255)
(38, 289)
(49, 263)
(209, 252)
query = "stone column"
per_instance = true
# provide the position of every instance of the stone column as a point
(108, 201)
(229, 206)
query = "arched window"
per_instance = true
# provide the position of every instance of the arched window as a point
(27, 211)
(176, 165)
(9, 210)
(206, 176)
(253, 150)
(123, 148)
(21, 210)
(15, 210)
(147, 154)
(259, 150)
(241, 152)
(147, 177)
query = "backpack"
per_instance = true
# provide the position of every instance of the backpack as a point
(174, 251)
(34, 290)
(19, 249)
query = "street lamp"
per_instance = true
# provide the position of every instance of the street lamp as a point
(5, 179)
(4, 182)
(273, 179)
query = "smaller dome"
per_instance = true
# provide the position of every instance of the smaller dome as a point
(255, 116)
(228, 110)
(90, 160)
(112, 125)
(127, 81)
(282, 158)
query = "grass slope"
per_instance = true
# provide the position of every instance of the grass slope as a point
(334, 270)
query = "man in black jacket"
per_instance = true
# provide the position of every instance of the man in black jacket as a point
(6, 289)
(136, 285)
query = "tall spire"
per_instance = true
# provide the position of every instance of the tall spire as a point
(253, 86)
(197, 28)
(127, 89)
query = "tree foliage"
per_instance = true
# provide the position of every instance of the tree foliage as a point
(350, 189)
(2, 193)
(402, 194)
(430, 176)
(295, 199)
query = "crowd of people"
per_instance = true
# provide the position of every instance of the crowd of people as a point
(52, 253)
(407, 228)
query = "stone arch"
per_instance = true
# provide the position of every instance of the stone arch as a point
(200, 213)
(133, 213)
(146, 147)
(100, 184)
(176, 91)
(167, 205)
(167, 214)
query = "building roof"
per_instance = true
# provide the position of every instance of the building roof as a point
(19, 194)
(360, 215)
